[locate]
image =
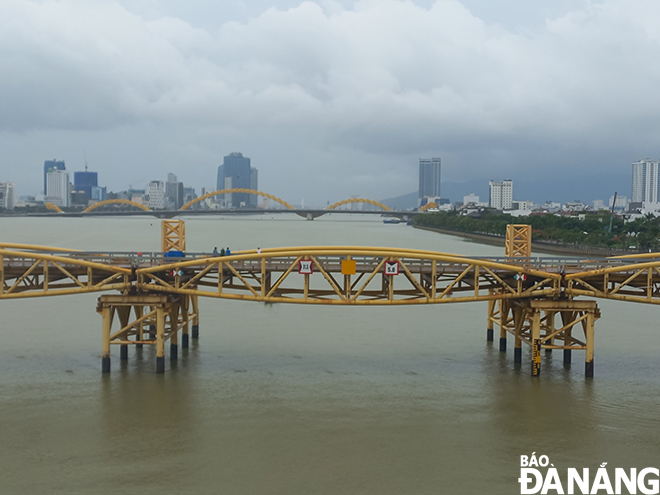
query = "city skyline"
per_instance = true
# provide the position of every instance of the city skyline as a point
(343, 112)
(644, 187)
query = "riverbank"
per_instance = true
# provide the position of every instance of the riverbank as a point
(544, 247)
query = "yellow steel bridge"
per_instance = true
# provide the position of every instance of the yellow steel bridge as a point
(534, 299)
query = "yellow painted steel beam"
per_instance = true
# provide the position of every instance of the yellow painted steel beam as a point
(341, 300)
(62, 259)
(635, 256)
(34, 247)
(613, 269)
(375, 252)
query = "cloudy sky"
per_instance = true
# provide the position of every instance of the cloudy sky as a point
(333, 98)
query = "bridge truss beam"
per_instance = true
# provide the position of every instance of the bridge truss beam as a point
(275, 276)
(35, 274)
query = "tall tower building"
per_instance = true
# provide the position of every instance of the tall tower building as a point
(156, 195)
(501, 194)
(173, 193)
(51, 165)
(236, 173)
(58, 189)
(645, 181)
(84, 181)
(7, 197)
(429, 180)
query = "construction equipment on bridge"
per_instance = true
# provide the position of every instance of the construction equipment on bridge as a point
(524, 294)
(173, 236)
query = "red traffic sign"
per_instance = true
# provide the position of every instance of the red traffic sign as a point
(391, 268)
(305, 267)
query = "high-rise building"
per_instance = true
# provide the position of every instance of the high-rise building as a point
(7, 195)
(52, 165)
(429, 180)
(189, 195)
(236, 173)
(645, 181)
(84, 181)
(58, 188)
(173, 193)
(501, 194)
(156, 195)
(99, 193)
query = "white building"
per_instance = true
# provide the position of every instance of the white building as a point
(470, 199)
(7, 195)
(501, 195)
(599, 204)
(621, 202)
(156, 195)
(523, 205)
(58, 188)
(645, 181)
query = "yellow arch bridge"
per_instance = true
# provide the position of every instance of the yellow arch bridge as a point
(536, 300)
(220, 192)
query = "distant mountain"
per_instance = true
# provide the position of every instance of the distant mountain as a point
(403, 202)
(547, 188)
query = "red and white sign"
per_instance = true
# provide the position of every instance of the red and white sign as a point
(391, 268)
(305, 267)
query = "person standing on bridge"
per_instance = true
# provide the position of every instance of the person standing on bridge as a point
(215, 251)
(258, 250)
(228, 251)
(222, 252)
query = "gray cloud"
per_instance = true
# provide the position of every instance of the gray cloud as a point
(330, 98)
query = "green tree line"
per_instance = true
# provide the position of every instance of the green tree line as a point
(593, 230)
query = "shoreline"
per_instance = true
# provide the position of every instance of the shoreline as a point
(545, 247)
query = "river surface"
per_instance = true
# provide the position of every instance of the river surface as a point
(295, 399)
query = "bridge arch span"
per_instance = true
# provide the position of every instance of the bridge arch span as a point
(54, 207)
(428, 206)
(359, 200)
(115, 202)
(236, 190)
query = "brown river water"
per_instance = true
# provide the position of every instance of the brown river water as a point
(296, 399)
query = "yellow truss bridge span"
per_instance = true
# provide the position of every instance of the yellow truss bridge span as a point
(536, 300)
(336, 275)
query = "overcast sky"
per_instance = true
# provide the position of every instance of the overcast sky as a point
(331, 98)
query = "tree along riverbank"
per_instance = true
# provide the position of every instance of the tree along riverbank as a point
(553, 234)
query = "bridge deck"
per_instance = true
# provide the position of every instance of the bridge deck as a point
(424, 276)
